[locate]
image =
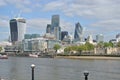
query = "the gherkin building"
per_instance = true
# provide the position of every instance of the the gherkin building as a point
(78, 35)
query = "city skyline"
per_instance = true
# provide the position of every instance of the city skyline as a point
(97, 17)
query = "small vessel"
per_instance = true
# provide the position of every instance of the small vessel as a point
(4, 56)
(33, 55)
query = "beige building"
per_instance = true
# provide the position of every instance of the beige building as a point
(108, 50)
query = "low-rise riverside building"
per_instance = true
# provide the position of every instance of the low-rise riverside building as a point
(39, 44)
(35, 44)
(107, 51)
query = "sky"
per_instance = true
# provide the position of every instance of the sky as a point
(95, 16)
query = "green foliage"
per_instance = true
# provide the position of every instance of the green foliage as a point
(56, 47)
(67, 49)
(106, 44)
(100, 44)
(89, 46)
(0, 48)
(80, 48)
(118, 44)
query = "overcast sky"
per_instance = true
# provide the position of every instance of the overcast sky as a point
(96, 16)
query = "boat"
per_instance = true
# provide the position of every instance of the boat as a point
(3, 56)
(33, 55)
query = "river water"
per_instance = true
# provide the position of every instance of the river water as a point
(18, 68)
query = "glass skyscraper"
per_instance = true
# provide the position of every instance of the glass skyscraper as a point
(17, 29)
(55, 22)
(99, 38)
(57, 33)
(48, 29)
(78, 35)
(55, 27)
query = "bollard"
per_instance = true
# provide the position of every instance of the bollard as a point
(86, 73)
(32, 67)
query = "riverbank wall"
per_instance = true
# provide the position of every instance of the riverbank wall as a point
(90, 57)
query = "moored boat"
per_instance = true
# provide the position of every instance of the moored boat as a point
(33, 55)
(3, 56)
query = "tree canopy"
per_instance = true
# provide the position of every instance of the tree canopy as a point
(80, 48)
(56, 47)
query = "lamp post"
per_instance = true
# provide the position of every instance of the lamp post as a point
(32, 67)
(86, 73)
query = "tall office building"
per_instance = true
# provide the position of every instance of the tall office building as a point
(57, 33)
(48, 29)
(55, 27)
(99, 38)
(78, 35)
(55, 22)
(17, 29)
(63, 34)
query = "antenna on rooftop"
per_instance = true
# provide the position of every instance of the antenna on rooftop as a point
(13, 14)
(19, 14)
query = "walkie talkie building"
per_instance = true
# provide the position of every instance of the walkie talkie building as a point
(17, 29)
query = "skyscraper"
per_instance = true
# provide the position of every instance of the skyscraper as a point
(99, 38)
(78, 35)
(55, 22)
(57, 33)
(17, 29)
(55, 27)
(48, 29)
(118, 37)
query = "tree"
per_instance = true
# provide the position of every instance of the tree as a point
(0, 48)
(106, 44)
(118, 44)
(89, 46)
(56, 47)
(81, 48)
(100, 44)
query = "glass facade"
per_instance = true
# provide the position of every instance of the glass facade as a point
(30, 36)
(78, 32)
(63, 34)
(27, 36)
(55, 27)
(57, 33)
(17, 29)
(13, 30)
(99, 38)
(48, 29)
(55, 22)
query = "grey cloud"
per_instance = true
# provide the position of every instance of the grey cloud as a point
(108, 24)
(4, 21)
(24, 5)
(53, 6)
(37, 24)
(2, 3)
(98, 9)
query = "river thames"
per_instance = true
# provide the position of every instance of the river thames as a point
(19, 68)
